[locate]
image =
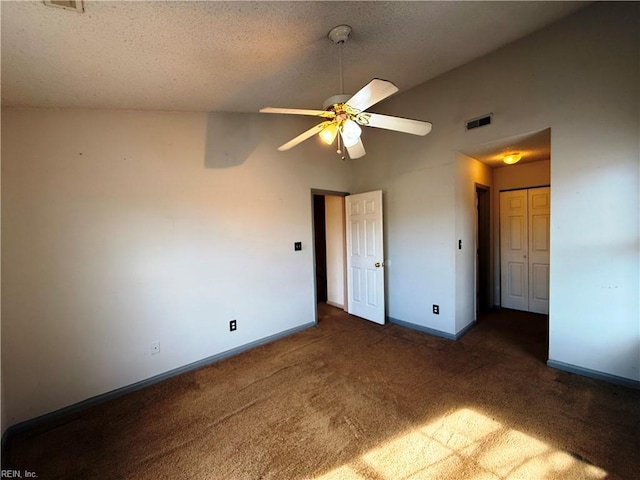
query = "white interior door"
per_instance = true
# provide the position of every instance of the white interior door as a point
(514, 265)
(539, 203)
(365, 257)
(524, 249)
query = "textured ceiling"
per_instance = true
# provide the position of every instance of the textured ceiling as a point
(241, 56)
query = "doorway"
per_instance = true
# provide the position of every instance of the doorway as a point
(320, 239)
(483, 250)
(349, 275)
(329, 248)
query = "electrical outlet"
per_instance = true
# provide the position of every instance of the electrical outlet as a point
(155, 348)
(297, 246)
(436, 309)
(233, 326)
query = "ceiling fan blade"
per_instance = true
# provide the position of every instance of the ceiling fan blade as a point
(357, 150)
(373, 92)
(303, 136)
(299, 111)
(398, 124)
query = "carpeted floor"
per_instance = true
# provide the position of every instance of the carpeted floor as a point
(349, 399)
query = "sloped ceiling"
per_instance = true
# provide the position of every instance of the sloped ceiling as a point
(241, 56)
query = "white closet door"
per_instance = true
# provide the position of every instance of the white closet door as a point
(539, 202)
(524, 249)
(514, 265)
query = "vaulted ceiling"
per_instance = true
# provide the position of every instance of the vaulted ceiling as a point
(241, 56)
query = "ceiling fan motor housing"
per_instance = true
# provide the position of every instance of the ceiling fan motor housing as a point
(334, 100)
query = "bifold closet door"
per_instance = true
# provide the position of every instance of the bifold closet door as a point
(539, 207)
(524, 249)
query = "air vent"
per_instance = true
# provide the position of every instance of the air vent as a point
(75, 5)
(479, 122)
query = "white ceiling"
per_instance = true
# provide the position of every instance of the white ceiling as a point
(241, 56)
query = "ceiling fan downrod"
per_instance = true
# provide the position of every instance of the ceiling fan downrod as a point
(339, 35)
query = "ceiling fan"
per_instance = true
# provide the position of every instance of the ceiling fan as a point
(345, 114)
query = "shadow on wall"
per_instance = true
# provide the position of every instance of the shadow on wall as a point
(231, 138)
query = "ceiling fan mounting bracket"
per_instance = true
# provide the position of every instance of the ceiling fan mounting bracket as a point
(339, 34)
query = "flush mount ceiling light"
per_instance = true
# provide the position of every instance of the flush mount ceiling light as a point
(512, 158)
(345, 114)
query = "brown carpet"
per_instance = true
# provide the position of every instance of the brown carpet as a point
(349, 399)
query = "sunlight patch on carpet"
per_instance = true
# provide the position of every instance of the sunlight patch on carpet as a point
(465, 444)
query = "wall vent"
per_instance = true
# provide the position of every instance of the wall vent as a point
(75, 5)
(479, 122)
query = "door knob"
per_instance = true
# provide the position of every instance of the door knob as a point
(379, 264)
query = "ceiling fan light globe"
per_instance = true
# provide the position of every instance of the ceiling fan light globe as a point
(349, 142)
(351, 132)
(328, 135)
